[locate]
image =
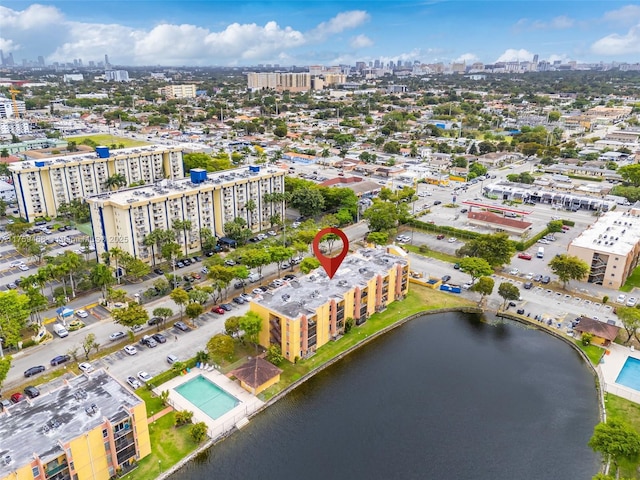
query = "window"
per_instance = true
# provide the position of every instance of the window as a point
(35, 471)
(104, 433)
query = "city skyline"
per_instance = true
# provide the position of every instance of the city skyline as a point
(329, 33)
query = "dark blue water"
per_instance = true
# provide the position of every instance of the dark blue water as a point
(442, 397)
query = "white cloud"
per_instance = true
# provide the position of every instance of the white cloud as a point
(555, 57)
(616, 44)
(561, 22)
(513, 55)
(626, 15)
(8, 45)
(361, 41)
(468, 58)
(339, 23)
(35, 16)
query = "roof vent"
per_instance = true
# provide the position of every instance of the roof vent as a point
(91, 409)
(286, 297)
(7, 459)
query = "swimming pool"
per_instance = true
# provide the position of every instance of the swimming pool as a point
(629, 376)
(207, 396)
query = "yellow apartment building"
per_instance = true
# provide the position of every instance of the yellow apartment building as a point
(85, 428)
(42, 185)
(306, 313)
(611, 247)
(124, 218)
(178, 91)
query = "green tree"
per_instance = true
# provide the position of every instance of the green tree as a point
(309, 264)
(14, 312)
(102, 277)
(237, 230)
(183, 417)
(568, 267)
(129, 317)
(256, 258)
(378, 238)
(615, 439)
(221, 276)
(88, 344)
(180, 298)
(475, 267)
(279, 255)
(164, 313)
(194, 310)
(496, 249)
(5, 366)
(115, 181)
(554, 116)
(280, 130)
(631, 173)
(251, 325)
(508, 292)
(221, 347)
(630, 318)
(134, 268)
(554, 226)
(232, 326)
(198, 432)
(381, 216)
(309, 202)
(274, 354)
(484, 286)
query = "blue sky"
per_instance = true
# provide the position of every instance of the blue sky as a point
(237, 32)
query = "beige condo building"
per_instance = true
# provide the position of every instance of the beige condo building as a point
(178, 91)
(611, 248)
(123, 219)
(42, 185)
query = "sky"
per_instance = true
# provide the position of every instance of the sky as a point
(319, 32)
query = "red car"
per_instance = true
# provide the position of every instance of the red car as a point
(440, 237)
(218, 310)
(17, 397)
(565, 228)
(525, 256)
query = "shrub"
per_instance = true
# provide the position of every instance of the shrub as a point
(28, 343)
(605, 299)
(569, 223)
(198, 432)
(586, 338)
(183, 417)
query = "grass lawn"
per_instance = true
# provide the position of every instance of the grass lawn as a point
(419, 299)
(594, 352)
(169, 445)
(621, 409)
(445, 257)
(632, 281)
(107, 140)
(154, 404)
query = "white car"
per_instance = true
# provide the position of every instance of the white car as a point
(295, 224)
(272, 233)
(82, 313)
(144, 376)
(16, 263)
(514, 271)
(130, 349)
(631, 301)
(86, 367)
(23, 267)
(621, 298)
(467, 285)
(452, 240)
(133, 381)
(529, 276)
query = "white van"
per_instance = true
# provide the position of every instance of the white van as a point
(254, 277)
(540, 253)
(60, 330)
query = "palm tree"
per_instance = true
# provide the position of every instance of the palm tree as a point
(102, 276)
(250, 206)
(116, 180)
(4, 153)
(116, 254)
(72, 263)
(183, 225)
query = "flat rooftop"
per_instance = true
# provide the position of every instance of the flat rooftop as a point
(615, 233)
(162, 189)
(93, 156)
(305, 294)
(59, 415)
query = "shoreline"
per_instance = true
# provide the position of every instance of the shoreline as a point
(368, 339)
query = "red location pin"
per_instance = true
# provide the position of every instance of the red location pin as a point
(330, 264)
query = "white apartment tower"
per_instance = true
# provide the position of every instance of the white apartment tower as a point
(42, 185)
(123, 219)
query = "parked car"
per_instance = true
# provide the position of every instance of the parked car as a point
(456, 266)
(171, 359)
(154, 321)
(181, 326)
(524, 256)
(528, 285)
(85, 367)
(437, 202)
(226, 306)
(537, 278)
(148, 341)
(239, 284)
(179, 265)
(81, 313)
(133, 381)
(440, 236)
(446, 278)
(30, 372)
(238, 300)
(31, 391)
(17, 397)
(514, 271)
(621, 298)
(289, 276)
(452, 240)
(117, 336)
(218, 310)
(130, 349)
(631, 301)
(144, 376)
(546, 279)
(157, 271)
(158, 337)
(195, 275)
(230, 263)
(59, 359)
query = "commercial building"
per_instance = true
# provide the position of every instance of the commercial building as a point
(178, 91)
(88, 428)
(611, 247)
(123, 219)
(7, 109)
(42, 185)
(306, 313)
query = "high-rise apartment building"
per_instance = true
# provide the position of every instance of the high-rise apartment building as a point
(88, 428)
(123, 219)
(178, 91)
(306, 313)
(42, 185)
(116, 76)
(293, 82)
(7, 108)
(15, 126)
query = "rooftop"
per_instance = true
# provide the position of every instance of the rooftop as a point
(93, 156)
(166, 187)
(43, 424)
(614, 233)
(305, 294)
(256, 372)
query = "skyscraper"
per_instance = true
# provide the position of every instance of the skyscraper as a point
(535, 58)
(41, 60)
(106, 61)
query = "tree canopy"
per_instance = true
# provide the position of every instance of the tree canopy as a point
(568, 267)
(496, 249)
(508, 292)
(475, 267)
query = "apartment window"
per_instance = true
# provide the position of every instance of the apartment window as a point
(35, 471)
(616, 259)
(613, 274)
(71, 467)
(104, 433)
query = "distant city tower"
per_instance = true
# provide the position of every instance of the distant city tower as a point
(535, 58)
(106, 61)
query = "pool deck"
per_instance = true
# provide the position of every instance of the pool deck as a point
(227, 422)
(610, 367)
